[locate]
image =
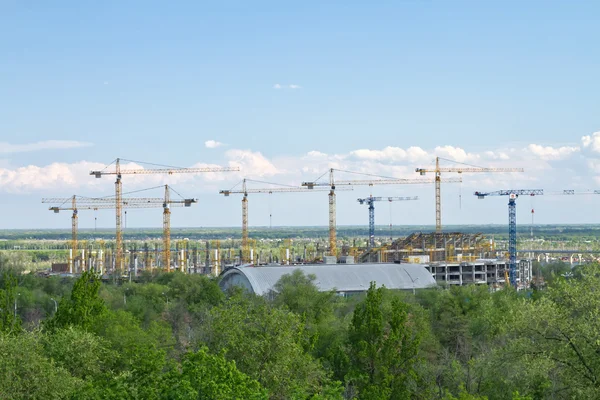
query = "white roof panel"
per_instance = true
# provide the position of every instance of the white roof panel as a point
(341, 277)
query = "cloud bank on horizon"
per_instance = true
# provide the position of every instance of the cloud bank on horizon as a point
(543, 164)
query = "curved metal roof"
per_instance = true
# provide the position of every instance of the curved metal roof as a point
(341, 277)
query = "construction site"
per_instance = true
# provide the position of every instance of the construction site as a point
(452, 258)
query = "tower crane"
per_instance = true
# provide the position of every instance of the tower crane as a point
(95, 203)
(269, 190)
(438, 170)
(380, 180)
(513, 194)
(141, 171)
(370, 202)
(512, 223)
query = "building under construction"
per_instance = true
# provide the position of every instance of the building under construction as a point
(453, 258)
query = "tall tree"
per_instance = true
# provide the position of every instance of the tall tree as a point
(9, 320)
(84, 305)
(383, 348)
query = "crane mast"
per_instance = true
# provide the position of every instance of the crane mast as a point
(438, 182)
(74, 224)
(438, 196)
(245, 244)
(332, 215)
(167, 231)
(119, 215)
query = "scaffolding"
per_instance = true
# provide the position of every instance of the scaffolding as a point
(432, 247)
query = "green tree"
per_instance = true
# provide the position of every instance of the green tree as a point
(83, 354)
(9, 321)
(551, 272)
(26, 374)
(383, 348)
(266, 343)
(299, 294)
(560, 332)
(202, 375)
(137, 356)
(83, 307)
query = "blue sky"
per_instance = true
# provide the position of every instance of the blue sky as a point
(292, 88)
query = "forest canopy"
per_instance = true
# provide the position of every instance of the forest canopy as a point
(176, 336)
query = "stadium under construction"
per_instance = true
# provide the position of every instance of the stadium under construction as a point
(453, 258)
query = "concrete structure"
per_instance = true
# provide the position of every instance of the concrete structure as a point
(343, 278)
(489, 272)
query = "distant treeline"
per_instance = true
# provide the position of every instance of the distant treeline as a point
(285, 232)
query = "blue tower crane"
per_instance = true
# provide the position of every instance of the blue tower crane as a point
(512, 223)
(369, 201)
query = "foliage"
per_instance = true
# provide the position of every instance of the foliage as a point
(266, 343)
(383, 348)
(560, 331)
(83, 307)
(9, 320)
(26, 374)
(224, 381)
(178, 336)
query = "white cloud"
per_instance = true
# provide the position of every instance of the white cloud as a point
(53, 177)
(391, 154)
(496, 155)
(537, 160)
(251, 163)
(290, 86)
(6, 148)
(591, 142)
(455, 154)
(212, 144)
(315, 154)
(552, 153)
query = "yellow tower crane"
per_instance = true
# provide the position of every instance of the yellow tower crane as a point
(141, 171)
(467, 168)
(380, 180)
(95, 203)
(244, 190)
